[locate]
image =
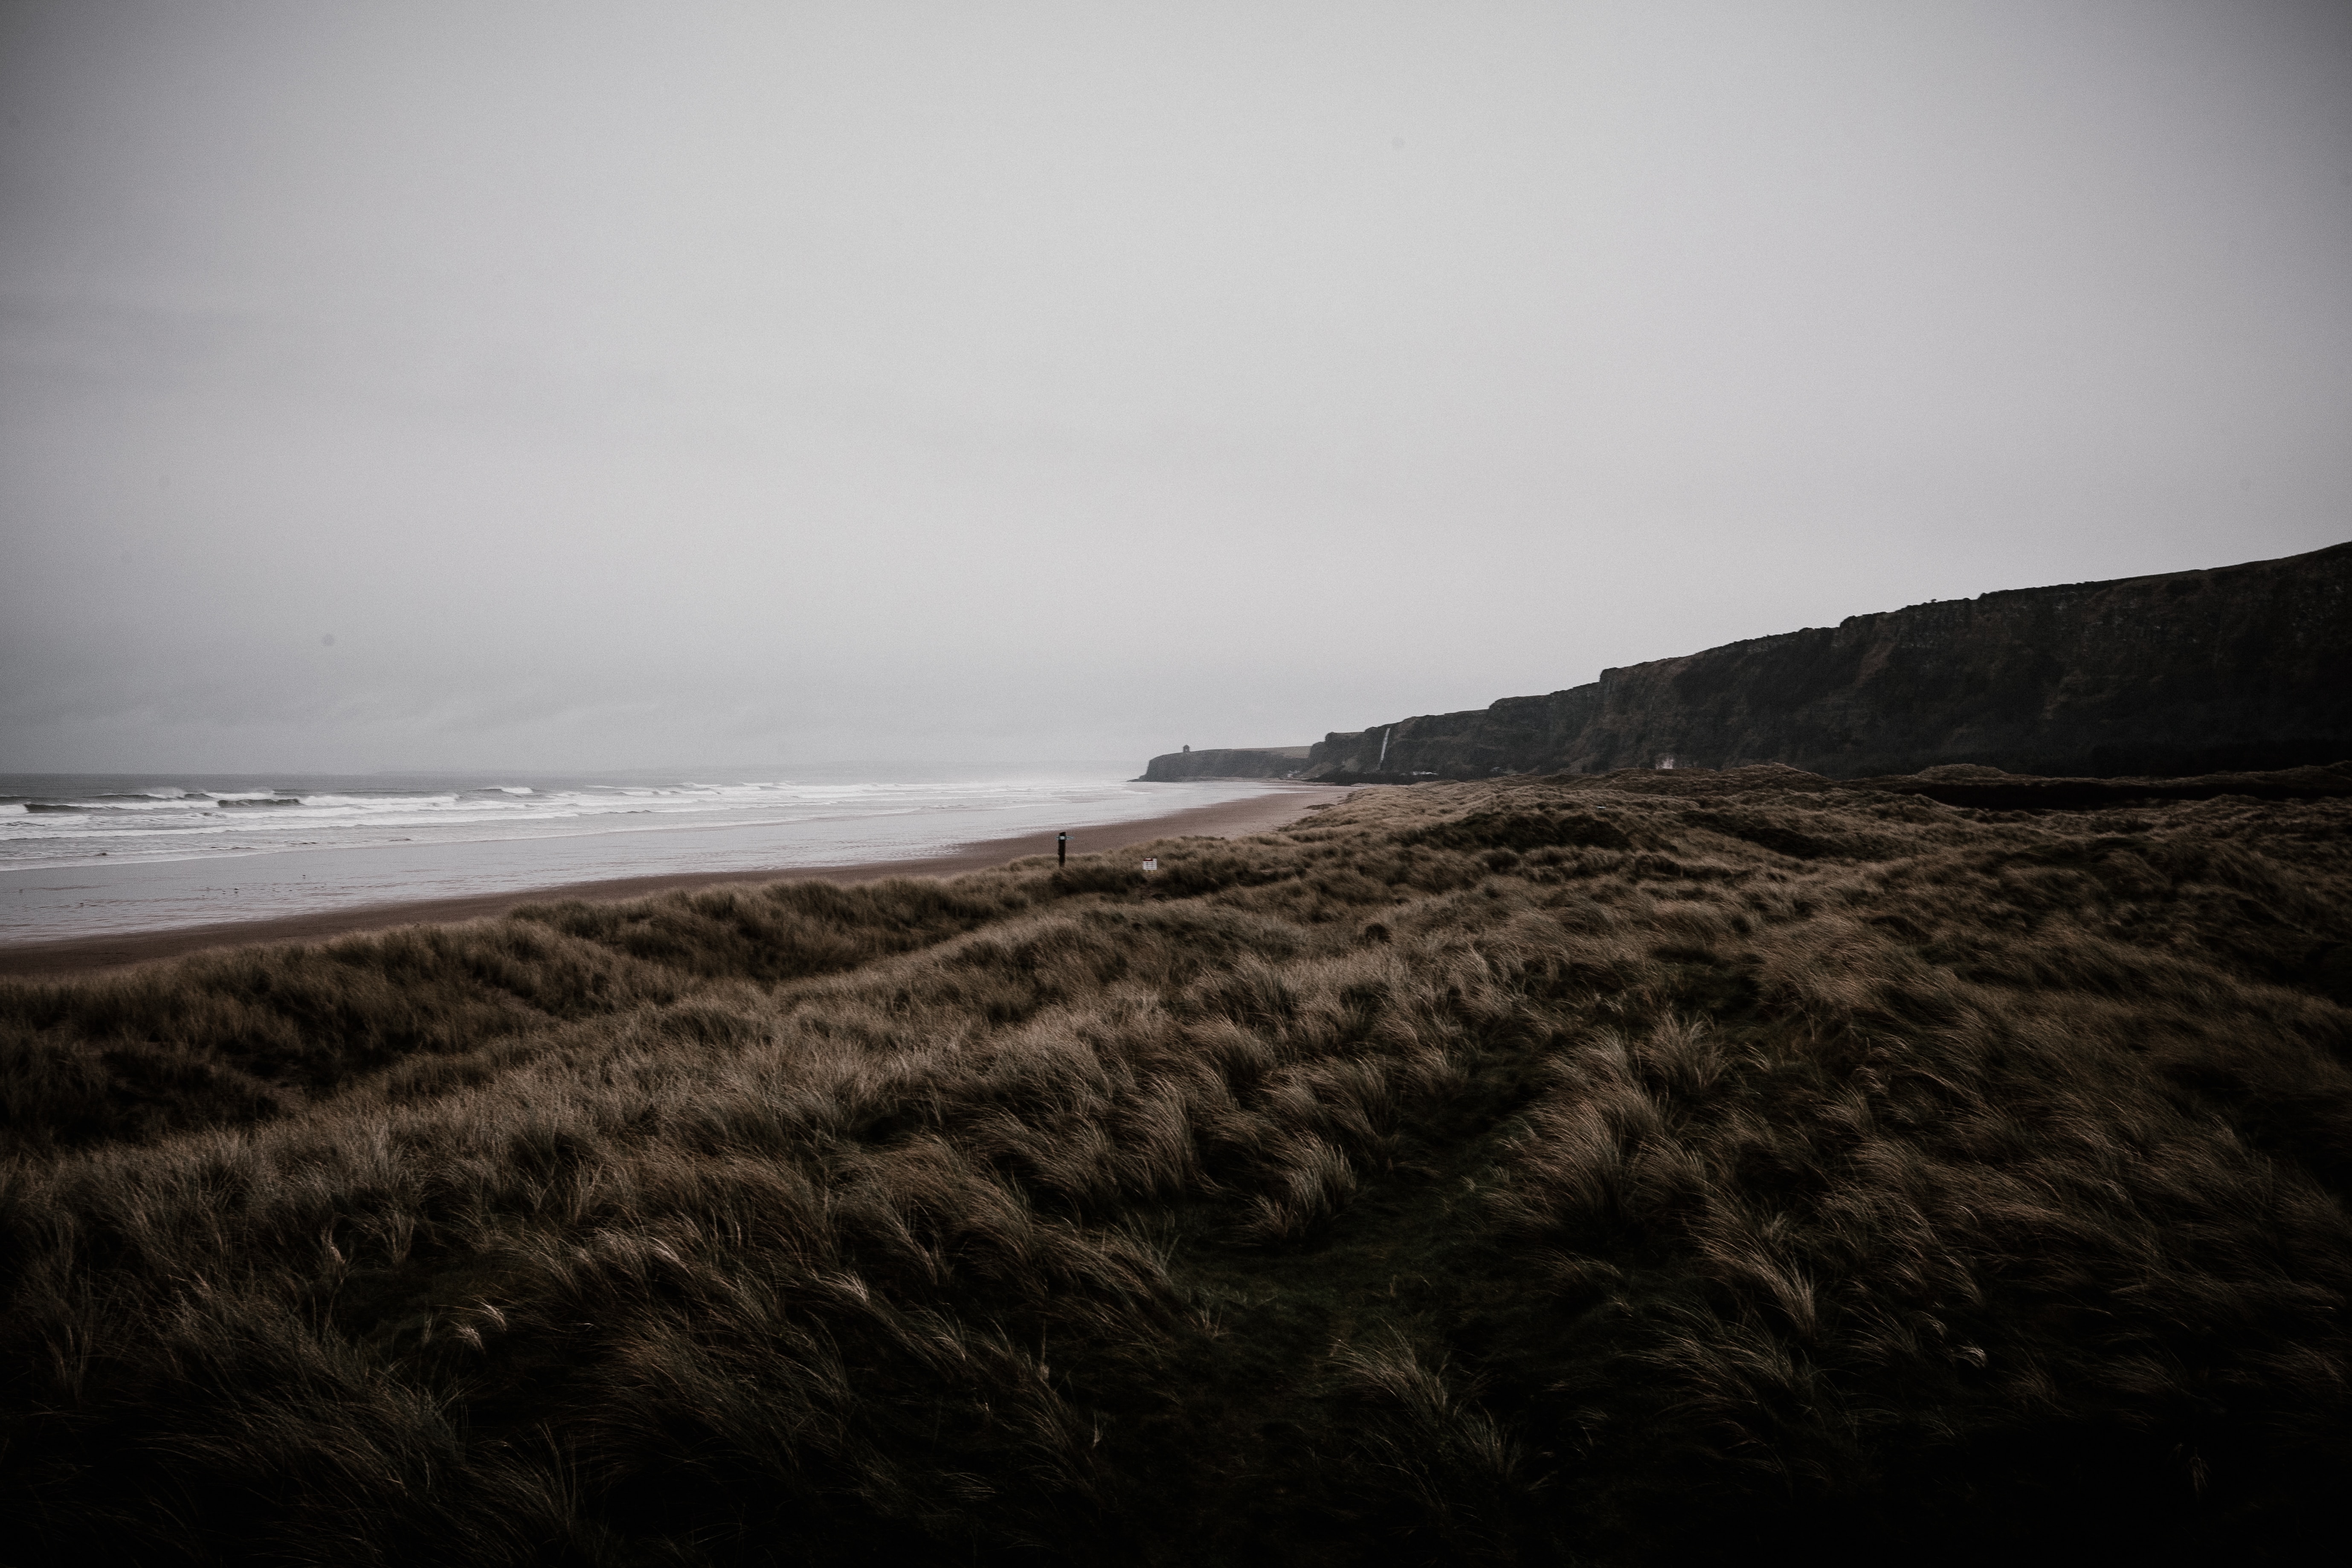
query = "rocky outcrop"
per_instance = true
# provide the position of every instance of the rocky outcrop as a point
(2192, 672)
(1231, 762)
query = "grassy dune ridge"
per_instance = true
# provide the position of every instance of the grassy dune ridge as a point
(1616, 1169)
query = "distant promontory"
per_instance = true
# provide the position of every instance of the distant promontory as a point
(1229, 762)
(2188, 673)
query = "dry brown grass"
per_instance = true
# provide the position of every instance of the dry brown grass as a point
(1618, 1169)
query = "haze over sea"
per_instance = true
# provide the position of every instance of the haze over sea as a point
(87, 854)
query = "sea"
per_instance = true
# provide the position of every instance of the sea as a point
(95, 855)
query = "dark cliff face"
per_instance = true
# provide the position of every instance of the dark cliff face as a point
(2241, 667)
(1231, 762)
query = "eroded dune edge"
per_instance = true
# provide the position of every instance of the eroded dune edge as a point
(1627, 1168)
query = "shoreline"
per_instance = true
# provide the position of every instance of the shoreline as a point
(1282, 804)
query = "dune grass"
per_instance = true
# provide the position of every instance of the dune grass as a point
(1626, 1170)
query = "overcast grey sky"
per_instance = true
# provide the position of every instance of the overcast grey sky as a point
(647, 385)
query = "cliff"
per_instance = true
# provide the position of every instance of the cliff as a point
(1231, 762)
(2189, 672)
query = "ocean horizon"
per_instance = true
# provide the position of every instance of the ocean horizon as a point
(97, 854)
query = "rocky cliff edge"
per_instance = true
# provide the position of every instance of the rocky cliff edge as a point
(2189, 672)
(1229, 762)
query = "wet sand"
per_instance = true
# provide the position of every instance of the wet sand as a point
(1284, 804)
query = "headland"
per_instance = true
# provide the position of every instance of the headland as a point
(2246, 667)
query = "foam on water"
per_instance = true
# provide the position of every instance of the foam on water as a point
(81, 855)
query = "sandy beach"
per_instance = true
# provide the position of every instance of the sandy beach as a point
(1282, 804)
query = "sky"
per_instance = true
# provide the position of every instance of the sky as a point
(407, 385)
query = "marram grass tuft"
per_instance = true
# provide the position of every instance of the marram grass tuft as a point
(1634, 1170)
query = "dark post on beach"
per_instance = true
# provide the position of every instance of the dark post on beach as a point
(1060, 850)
